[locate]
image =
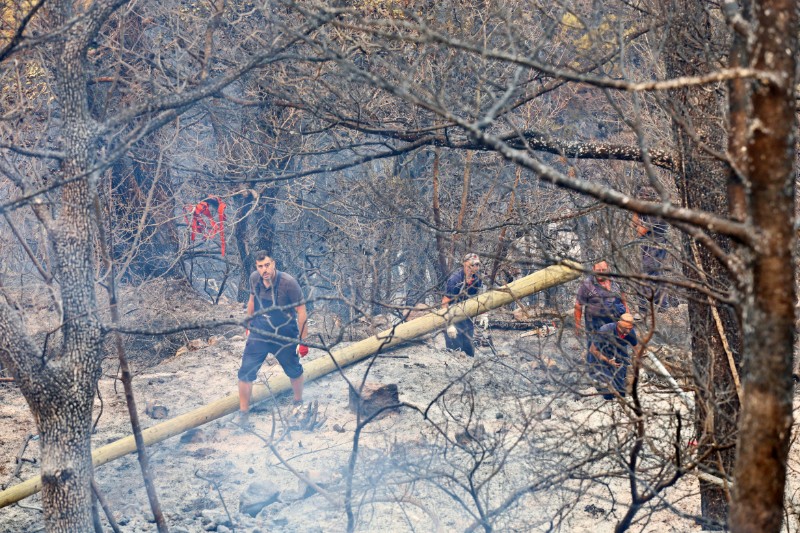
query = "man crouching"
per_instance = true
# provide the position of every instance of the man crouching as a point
(609, 356)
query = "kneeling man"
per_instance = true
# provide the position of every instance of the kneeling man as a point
(609, 356)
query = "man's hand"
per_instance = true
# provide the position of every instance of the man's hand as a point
(247, 332)
(641, 230)
(302, 350)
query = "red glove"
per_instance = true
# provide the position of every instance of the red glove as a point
(302, 350)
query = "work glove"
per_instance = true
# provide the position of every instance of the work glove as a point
(302, 350)
(452, 332)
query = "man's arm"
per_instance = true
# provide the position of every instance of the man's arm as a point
(641, 229)
(302, 318)
(624, 301)
(251, 307)
(446, 301)
(595, 352)
(601, 357)
(578, 315)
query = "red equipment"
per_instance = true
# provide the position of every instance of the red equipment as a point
(203, 220)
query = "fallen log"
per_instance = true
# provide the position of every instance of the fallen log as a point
(538, 281)
(520, 324)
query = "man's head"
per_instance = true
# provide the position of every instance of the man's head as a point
(625, 323)
(265, 265)
(648, 193)
(472, 263)
(599, 269)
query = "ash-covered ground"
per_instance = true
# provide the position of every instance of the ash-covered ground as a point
(515, 438)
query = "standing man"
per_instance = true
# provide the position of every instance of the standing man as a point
(462, 285)
(652, 233)
(609, 356)
(599, 301)
(277, 301)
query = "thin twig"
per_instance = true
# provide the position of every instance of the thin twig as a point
(106, 508)
(97, 420)
(127, 381)
(219, 493)
(305, 479)
(18, 460)
(436, 527)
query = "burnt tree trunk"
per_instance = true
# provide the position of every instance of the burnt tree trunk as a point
(503, 242)
(61, 398)
(466, 189)
(714, 328)
(442, 267)
(59, 384)
(141, 211)
(253, 233)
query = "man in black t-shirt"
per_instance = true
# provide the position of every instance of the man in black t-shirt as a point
(277, 302)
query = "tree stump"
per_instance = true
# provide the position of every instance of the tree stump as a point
(374, 397)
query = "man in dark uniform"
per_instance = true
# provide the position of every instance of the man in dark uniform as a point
(652, 233)
(277, 301)
(609, 356)
(462, 284)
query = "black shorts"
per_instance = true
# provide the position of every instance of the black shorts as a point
(256, 351)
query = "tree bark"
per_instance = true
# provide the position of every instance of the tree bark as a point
(766, 417)
(501, 250)
(253, 233)
(59, 382)
(441, 245)
(701, 180)
(465, 190)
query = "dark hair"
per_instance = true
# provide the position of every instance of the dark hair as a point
(261, 255)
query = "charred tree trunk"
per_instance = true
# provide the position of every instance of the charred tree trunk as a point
(466, 188)
(62, 398)
(253, 233)
(140, 205)
(503, 242)
(442, 267)
(59, 383)
(715, 329)
(142, 210)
